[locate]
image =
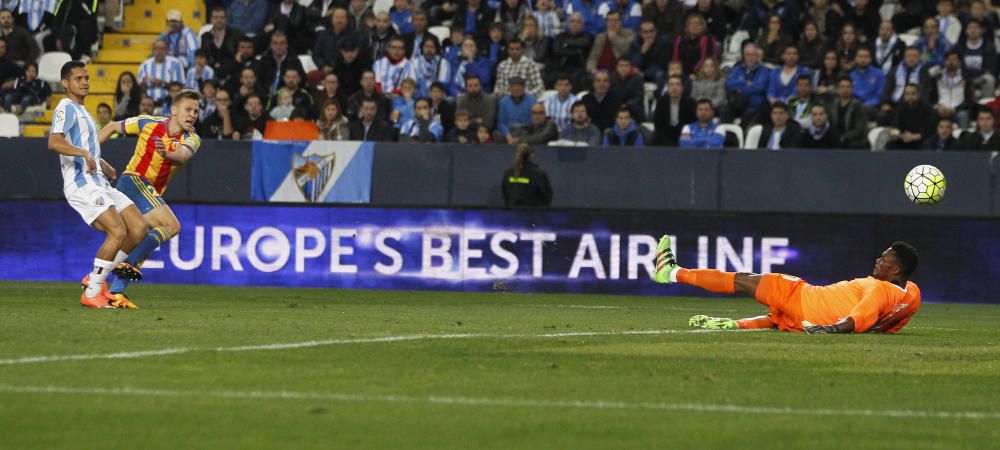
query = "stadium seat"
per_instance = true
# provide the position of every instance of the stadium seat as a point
(50, 65)
(580, 94)
(753, 137)
(649, 126)
(733, 51)
(204, 29)
(909, 39)
(878, 137)
(887, 10)
(649, 99)
(440, 32)
(985, 100)
(736, 130)
(9, 126)
(381, 5)
(307, 63)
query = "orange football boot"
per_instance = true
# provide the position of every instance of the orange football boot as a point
(120, 300)
(99, 301)
(104, 286)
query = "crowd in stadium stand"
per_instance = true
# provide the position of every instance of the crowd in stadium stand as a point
(811, 73)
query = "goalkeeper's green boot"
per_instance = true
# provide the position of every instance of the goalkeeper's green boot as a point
(712, 323)
(665, 263)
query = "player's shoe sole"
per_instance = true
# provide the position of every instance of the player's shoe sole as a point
(712, 323)
(104, 286)
(666, 265)
(127, 271)
(99, 301)
(120, 300)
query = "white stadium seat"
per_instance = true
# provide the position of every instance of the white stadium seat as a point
(878, 137)
(204, 29)
(50, 66)
(440, 32)
(545, 95)
(753, 137)
(9, 126)
(381, 5)
(735, 129)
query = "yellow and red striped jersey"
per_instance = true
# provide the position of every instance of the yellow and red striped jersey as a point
(145, 162)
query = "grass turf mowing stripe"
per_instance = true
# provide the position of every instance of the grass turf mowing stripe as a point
(504, 402)
(320, 343)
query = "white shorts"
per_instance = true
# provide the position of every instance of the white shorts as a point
(91, 200)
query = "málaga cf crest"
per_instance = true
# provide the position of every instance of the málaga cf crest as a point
(312, 174)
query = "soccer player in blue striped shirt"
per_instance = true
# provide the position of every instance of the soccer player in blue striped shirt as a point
(74, 136)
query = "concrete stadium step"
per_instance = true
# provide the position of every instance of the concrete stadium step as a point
(128, 41)
(150, 16)
(90, 103)
(35, 130)
(110, 72)
(134, 56)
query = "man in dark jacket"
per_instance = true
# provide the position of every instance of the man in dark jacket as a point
(985, 138)
(570, 50)
(782, 132)
(542, 130)
(350, 66)
(945, 137)
(369, 127)
(326, 49)
(820, 134)
(915, 121)
(848, 116)
(221, 43)
(602, 103)
(674, 110)
(275, 61)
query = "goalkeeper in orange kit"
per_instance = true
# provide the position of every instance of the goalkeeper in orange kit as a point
(881, 303)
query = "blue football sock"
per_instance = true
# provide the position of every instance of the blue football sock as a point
(119, 285)
(156, 236)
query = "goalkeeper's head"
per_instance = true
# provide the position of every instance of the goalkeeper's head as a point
(905, 257)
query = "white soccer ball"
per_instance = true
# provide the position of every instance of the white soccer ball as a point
(925, 185)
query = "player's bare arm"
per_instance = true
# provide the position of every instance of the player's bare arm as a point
(843, 326)
(109, 130)
(179, 153)
(109, 171)
(59, 144)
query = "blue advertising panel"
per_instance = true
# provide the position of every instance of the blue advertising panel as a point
(483, 250)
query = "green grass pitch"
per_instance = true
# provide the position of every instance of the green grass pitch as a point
(210, 367)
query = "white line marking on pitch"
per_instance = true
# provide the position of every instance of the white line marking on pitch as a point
(504, 402)
(321, 343)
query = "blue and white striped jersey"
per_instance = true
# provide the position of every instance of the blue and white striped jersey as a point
(560, 111)
(73, 121)
(169, 70)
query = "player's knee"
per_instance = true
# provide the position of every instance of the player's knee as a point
(173, 228)
(116, 231)
(137, 232)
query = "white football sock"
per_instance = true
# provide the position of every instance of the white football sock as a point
(101, 270)
(121, 257)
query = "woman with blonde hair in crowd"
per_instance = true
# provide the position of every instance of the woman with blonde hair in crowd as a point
(709, 83)
(695, 45)
(333, 126)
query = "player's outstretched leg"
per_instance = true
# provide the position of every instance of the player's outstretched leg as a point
(712, 323)
(725, 323)
(115, 233)
(668, 271)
